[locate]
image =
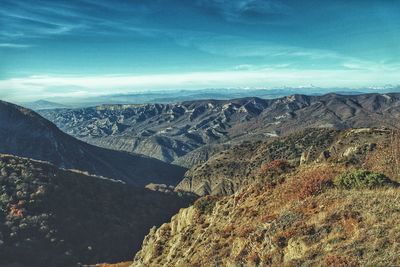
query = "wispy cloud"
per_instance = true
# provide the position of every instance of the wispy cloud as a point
(43, 19)
(10, 45)
(246, 10)
(240, 47)
(278, 54)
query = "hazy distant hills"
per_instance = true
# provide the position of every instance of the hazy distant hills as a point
(189, 132)
(25, 133)
(176, 95)
(53, 217)
(43, 104)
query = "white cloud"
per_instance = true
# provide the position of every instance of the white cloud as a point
(36, 87)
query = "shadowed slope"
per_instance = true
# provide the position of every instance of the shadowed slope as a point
(53, 217)
(25, 133)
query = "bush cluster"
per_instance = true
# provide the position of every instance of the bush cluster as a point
(362, 179)
(271, 172)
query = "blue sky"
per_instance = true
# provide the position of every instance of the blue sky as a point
(90, 47)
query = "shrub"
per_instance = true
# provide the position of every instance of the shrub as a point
(339, 261)
(362, 179)
(273, 170)
(315, 184)
(275, 167)
(205, 204)
(244, 231)
(313, 181)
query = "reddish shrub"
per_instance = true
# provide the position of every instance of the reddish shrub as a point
(277, 166)
(273, 170)
(315, 183)
(244, 231)
(16, 212)
(268, 218)
(339, 261)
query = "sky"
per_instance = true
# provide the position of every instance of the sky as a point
(82, 48)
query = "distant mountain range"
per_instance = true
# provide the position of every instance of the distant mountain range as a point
(25, 133)
(188, 133)
(43, 104)
(174, 96)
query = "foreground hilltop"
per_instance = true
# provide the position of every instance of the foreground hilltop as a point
(53, 217)
(188, 133)
(307, 205)
(306, 220)
(25, 133)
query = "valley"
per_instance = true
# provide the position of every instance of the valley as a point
(25, 133)
(205, 133)
(296, 180)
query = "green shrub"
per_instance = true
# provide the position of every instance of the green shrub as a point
(362, 179)
(205, 204)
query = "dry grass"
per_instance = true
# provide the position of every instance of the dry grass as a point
(299, 222)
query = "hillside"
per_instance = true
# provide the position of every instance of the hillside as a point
(335, 208)
(25, 133)
(53, 217)
(225, 172)
(304, 221)
(229, 170)
(170, 132)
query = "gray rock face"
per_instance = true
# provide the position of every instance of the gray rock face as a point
(25, 133)
(176, 132)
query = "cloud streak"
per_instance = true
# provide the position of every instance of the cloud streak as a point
(246, 10)
(10, 45)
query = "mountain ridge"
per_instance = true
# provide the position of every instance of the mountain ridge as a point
(170, 132)
(25, 133)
